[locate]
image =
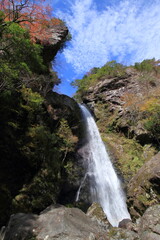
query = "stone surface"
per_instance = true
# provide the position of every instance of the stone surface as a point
(125, 223)
(56, 222)
(111, 90)
(58, 34)
(143, 189)
(60, 223)
(122, 96)
(61, 106)
(95, 212)
(21, 226)
(122, 234)
(149, 224)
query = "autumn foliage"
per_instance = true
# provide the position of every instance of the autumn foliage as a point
(35, 16)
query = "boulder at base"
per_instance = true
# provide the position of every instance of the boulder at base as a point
(56, 222)
(96, 213)
(149, 224)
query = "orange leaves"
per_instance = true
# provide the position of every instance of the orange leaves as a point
(55, 21)
(131, 100)
(143, 102)
(39, 29)
(151, 104)
(35, 16)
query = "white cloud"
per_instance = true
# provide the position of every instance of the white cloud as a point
(126, 31)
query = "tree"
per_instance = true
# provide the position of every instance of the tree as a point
(18, 57)
(35, 16)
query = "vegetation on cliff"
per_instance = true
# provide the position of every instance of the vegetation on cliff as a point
(125, 101)
(34, 147)
(110, 69)
(38, 139)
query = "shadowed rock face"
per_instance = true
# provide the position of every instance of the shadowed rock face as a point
(58, 34)
(143, 189)
(61, 106)
(21, 226)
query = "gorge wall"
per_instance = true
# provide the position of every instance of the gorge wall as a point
(126, 109)
(39, 134)
(42, 136)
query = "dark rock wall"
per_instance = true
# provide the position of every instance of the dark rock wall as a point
(58, 35)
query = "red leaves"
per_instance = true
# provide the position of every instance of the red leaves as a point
(35, 16)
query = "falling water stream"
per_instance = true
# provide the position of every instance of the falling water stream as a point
(105, 186)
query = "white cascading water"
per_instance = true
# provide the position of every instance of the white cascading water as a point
(105, 186)
(2, 233)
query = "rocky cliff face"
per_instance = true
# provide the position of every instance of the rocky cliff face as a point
(124, 107)
(124, 96)
(112, 90)
(63, 107)
(58, 35)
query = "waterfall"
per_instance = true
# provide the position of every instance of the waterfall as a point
(79, 190)
(2, 233)
(105, 186)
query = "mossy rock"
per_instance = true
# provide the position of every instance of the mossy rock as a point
(42, 191)
(96, 212)
(128, 156)
(143, 189)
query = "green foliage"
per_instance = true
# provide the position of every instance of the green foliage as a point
(33, 100)
(146, 65)
(110, 69)
(31, 152)
(32, 149)
(39, 194)
(152, 122)
(128, 152)
(40, 147)
(64, 132)
(18, 56)
(103, 115)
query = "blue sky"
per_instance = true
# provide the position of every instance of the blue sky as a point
(127, 31)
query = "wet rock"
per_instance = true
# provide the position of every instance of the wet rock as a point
(128, 224)
(124, 223)
(95, 212)
(60, 223)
